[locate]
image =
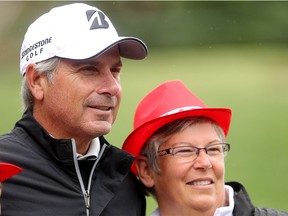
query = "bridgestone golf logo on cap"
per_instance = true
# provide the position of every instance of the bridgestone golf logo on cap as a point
(32, 51)
(98, 19)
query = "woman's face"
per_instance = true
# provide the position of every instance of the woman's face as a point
(191, 186)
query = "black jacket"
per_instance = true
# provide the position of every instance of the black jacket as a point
(51, 183)
(244, 207)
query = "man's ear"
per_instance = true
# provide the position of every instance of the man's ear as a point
(35, 81)
(145, 172)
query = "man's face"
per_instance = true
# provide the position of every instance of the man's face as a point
(84, 99)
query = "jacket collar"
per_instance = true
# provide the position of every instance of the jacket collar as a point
(61, 149)
(243, 205)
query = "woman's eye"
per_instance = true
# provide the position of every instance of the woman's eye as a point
(214, 150)
(184, 151)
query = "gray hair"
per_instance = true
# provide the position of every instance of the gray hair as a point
(152, 145)
(46, 67)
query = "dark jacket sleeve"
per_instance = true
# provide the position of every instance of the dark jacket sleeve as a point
(244, 207)
(269, 212)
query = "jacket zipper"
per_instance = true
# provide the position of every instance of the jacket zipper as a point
(86, 193)
(87, 199)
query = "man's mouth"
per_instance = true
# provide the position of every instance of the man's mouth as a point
(103, 108)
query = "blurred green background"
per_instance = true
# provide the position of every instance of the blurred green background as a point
(230, 54)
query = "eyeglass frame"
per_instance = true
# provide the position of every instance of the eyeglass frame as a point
(225, 147)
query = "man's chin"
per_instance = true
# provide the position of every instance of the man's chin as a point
(101, 128)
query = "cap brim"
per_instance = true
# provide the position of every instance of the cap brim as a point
(8, 170)
(129, 47)
(132, 48)
(135, 141)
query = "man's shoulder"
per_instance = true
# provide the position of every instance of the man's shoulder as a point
(8, 137)
(115, 150)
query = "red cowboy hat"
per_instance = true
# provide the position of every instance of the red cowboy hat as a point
(8, 170)
(168, 102)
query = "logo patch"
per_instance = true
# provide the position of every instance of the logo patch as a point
(97, 19)
(35, 49)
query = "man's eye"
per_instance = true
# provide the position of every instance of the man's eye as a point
(115, 70)
(89, 68)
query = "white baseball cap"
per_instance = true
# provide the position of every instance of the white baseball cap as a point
(75, 31)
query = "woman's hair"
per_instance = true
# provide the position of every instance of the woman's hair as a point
(152, 145)
(47, 68)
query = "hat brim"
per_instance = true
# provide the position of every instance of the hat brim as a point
(8, 170)
(129, 47)
(135, 141)
(132, 48)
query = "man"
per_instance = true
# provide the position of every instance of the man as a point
(70, 61)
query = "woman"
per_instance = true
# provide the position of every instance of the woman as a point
(179, 145)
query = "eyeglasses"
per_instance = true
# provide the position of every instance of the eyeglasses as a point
(192, 152)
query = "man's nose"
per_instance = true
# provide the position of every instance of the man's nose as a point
(110, 85)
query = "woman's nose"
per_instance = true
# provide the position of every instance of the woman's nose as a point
(202, 161)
